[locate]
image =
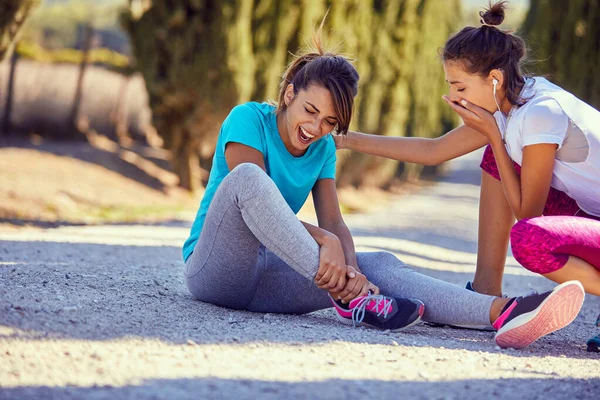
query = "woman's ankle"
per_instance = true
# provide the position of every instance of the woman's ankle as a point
(485, 288)
(496, 309)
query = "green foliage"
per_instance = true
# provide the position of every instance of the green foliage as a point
(566, 44)
(199, 58)
(55, 24)
(13, 14)
(107, 57)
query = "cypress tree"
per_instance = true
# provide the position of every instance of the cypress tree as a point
(13, 14)
(201, 57)
(566, 45)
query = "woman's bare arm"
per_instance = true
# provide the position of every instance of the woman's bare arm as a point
(455, 143)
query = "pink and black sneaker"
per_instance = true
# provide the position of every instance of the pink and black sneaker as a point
(380, 312)
(526, 319)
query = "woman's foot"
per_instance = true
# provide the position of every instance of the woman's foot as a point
(526, 319)
(380, 312)
(594, 343)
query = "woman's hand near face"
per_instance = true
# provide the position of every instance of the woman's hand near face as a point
(477, 118)
(332, 272)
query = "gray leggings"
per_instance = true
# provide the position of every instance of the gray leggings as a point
(254, 254)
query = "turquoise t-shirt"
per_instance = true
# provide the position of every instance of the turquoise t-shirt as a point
(255, 125)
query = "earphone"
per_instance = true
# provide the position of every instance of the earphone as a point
(504, 122)
(495, 83)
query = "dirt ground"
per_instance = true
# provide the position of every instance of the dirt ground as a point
(102, 312)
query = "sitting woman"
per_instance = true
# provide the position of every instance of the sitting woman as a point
(247, 250)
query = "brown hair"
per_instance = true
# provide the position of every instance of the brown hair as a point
(487, 47)
(331, 71)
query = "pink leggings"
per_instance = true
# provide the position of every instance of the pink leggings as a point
(544, 244)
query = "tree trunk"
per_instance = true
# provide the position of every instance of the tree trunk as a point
(73, 128)
(6, 123)
(119, 113)
(566, 45)
(13, 17)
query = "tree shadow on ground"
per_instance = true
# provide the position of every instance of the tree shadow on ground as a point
(102, 292)
(248, 388)
(138, 163)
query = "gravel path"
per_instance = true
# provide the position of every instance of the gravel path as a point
(101, 312)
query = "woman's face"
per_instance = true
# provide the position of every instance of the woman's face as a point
(308, 117)
(473, 88)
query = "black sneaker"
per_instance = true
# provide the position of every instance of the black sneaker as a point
(526, 319)
(379, 311)
(594, 343)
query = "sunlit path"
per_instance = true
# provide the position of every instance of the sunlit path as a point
(103, 312)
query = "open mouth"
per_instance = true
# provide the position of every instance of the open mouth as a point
(304, 136)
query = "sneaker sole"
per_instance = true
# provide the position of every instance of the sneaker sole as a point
(348, 321)
(558, 310)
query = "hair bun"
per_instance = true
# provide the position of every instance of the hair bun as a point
(493, 15)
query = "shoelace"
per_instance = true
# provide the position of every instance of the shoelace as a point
(358, 313)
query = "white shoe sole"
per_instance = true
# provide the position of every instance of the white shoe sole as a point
(557, 310)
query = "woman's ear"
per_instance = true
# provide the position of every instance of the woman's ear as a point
(498, 75)
(289, 94)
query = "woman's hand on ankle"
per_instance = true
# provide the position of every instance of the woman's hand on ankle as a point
(332, 271)
(357, 286)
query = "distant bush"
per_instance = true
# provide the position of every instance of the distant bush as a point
(56, 26)
(101, 56)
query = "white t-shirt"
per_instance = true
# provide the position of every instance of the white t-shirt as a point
(552, 115)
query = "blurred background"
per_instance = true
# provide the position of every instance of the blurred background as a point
(110, 109)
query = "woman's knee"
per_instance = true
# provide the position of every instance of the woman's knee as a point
(247, 172)
(247, 178)
(532, 244)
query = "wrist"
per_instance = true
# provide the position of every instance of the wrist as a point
(350, 140)
(496, 141)
(327, 238)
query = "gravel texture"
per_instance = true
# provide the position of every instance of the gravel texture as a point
(101, 312)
